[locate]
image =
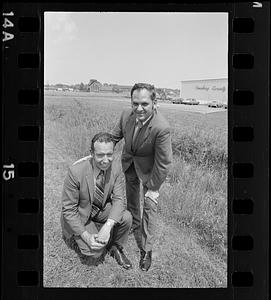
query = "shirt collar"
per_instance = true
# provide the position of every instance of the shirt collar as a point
(143, 123)
(96, 170)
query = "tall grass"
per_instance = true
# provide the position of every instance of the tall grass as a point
(195, 197)
(73, 126)
(200, 148)
(195, 194)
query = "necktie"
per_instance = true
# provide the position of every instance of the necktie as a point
(138, 126)
(97, 204)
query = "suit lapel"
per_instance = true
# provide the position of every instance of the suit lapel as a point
(129, 130)
(90, 181)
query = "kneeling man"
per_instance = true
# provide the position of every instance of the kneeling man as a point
(93, 193)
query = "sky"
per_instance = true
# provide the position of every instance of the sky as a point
(128, 47)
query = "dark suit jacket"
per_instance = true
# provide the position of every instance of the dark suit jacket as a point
(152, 153)
(77, 196)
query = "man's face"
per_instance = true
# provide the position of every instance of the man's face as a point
(142, 104)
(103, 154)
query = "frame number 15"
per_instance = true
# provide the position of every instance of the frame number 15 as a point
(8, 172)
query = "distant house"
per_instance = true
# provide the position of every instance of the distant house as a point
(94, 85)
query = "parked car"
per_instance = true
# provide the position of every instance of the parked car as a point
(225, 106)
(215, 103)
(190, 101)
(177, 101)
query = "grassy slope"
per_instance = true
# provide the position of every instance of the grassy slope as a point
(180, 259)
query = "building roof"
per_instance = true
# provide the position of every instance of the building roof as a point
(91, 81)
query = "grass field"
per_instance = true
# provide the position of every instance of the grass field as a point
(191, 244)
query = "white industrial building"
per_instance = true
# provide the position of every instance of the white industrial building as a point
(205, 90)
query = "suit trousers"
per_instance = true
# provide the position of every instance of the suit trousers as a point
(119, 233)
(147, 222)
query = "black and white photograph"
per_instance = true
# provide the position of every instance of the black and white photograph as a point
(135, 149)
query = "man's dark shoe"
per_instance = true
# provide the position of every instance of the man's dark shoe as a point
(145, 260)
(117, 253)
(91, 261)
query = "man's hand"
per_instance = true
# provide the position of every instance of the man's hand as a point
(90, 239)
(152, 195)
(104, 233)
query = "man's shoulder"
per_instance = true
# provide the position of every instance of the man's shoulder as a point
(161, 122)
(80, 168)
(116, 167)
(127, 112)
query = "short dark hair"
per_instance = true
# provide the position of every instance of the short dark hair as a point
(102, 137)
(146, 86)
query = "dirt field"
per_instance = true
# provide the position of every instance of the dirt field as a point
(191, 245)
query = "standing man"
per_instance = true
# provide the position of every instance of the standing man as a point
(93, 192)
(147, 155)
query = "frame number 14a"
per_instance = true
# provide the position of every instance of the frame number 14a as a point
(7, 35)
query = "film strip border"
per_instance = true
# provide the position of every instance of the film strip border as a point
(22, 57)
(248, 148)
(23, 151)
